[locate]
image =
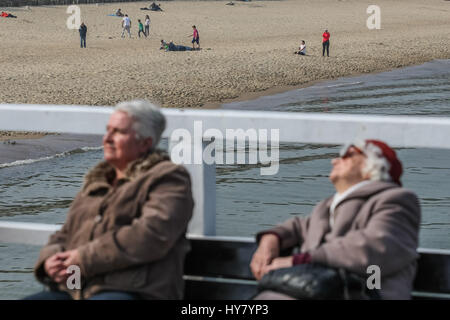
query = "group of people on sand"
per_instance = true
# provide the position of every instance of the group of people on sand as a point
(325, 45)
(143, 28)
(126, 228)
(173, 47)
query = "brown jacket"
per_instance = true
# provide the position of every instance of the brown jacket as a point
(130, 237)
(377, 224)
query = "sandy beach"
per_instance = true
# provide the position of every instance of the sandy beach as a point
(247, 49)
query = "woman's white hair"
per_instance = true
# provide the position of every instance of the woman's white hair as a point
(376, 166)
(148, 120)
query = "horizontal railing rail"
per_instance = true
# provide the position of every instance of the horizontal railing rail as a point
(398, 131)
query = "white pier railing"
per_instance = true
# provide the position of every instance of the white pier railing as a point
(398, 131)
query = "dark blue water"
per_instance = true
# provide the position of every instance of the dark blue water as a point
(247, 202)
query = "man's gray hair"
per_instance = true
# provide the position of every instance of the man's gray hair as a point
(148, 120)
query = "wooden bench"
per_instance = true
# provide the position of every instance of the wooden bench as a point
(218, 269)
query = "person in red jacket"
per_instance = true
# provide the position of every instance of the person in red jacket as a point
(326, 43)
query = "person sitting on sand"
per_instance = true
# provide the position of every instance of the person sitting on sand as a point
(302, 49)
(119, 13)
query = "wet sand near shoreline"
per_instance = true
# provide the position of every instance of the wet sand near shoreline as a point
(26, 148)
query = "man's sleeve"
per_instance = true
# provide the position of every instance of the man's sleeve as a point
(389, 240)
(163, 221)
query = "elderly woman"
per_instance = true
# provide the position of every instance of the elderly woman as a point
(126, 227)
(371, 220)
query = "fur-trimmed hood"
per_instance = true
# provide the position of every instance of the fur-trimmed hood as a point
(103, 174)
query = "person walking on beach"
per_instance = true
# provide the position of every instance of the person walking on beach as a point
(326, 43)
(126, 228)
(370, 220)
(195, 38)
(147, 25)
(83, 33)
(141, 29)
(126, 26)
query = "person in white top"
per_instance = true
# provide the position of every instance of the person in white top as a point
(126, 26)
(147, 25)
(301, 49)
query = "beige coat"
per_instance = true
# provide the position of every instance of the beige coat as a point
(377, 224)
(130, 237)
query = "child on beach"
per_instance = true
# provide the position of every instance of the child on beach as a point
(195, 38)
(302, 49)
(141, 29)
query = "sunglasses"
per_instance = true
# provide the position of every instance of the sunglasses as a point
(350, 151)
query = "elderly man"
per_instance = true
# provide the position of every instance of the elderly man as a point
(370, 220)
(126, 227)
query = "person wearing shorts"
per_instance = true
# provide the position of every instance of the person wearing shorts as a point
(195, 38)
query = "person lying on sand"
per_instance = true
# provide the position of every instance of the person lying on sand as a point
(153, 7)
(173, 47)
(7, 15)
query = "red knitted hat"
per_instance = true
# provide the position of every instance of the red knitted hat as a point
(389, 154)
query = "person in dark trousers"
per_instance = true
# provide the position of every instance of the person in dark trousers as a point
(195, 38)
(326, 43)
(141, 29)
(147, 25)
(83, 32)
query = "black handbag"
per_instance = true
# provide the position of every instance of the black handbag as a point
(317, 282)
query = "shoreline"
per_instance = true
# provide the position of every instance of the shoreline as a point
(247, 50)
(246, 96)
(6, 137)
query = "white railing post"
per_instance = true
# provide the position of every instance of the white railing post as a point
(203, 180)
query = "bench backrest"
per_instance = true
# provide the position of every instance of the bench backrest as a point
(219, 270)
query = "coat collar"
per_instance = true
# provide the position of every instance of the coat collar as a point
(103, 174)
(364, 192)
(370, 189)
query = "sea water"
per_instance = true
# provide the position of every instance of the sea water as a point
(41, 186)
